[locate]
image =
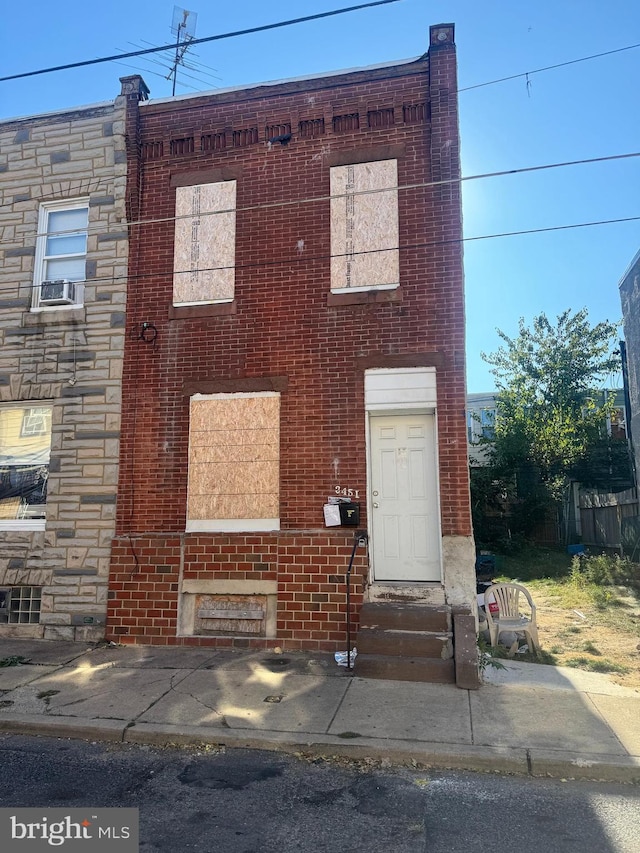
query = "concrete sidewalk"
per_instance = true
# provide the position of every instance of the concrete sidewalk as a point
(526, 719)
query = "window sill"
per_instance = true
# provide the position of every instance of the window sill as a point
(232, 525)
(54, 316)
(218, 309)
(17, 524)
(364, 297)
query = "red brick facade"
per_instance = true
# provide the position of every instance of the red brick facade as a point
(284, 331)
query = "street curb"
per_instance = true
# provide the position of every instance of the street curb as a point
(402, 753)
(598, 766)
(78, 728)
(485, 759)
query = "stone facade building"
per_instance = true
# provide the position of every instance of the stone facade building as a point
(294, 380)
(63, 267)
(629, 287)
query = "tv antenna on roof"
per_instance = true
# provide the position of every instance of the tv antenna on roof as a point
(183, 27)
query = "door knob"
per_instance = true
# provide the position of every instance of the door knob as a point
(376, 505)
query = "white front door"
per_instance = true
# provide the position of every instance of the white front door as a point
(405, 523)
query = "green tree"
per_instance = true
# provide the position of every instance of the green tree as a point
(551, 413)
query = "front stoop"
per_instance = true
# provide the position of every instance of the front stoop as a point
(406, 642)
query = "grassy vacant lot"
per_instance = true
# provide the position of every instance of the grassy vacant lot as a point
(588, 609)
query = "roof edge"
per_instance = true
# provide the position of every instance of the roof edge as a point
(56, 113)
(282, 82)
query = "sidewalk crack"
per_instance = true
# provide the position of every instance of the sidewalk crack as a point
(605, 722)
(173, 682)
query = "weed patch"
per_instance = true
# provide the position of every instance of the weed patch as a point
(588, 610)
(602, 665)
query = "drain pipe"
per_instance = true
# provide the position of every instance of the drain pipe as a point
(360, 538)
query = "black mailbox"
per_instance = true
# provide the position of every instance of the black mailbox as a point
(349, 514)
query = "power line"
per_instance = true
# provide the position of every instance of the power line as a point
(314, 199)
(193, 64)
(549, 67)
(299, 259)
(219, 37)
(168, 66)
(148, 71)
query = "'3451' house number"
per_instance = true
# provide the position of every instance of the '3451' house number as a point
(346, 492)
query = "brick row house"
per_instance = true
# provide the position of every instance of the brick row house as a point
(294, 372)
(63, 268)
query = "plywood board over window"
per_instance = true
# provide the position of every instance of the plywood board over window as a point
(364, 226)
(205, 244)
(234, 462)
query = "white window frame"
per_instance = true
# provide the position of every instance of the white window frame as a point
(34, 421)
(26, 523)
(46, 208)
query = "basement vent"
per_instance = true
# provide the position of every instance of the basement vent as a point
(230, 615)
(380, 118)
(180, 147)
(345, 123)
(247, 136)
(310, 128)
(414, 113)
(213, 141)
(20, 605)
(152, 150)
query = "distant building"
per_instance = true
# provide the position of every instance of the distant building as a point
(608, 465)
(63, 267)
(482, 412)
(481, 423)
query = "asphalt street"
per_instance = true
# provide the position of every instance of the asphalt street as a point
(211, 800)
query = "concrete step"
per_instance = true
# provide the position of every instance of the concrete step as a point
(394, 615)
(389, 642)
(430, 670)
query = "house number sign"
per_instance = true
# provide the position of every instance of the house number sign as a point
(346, 492)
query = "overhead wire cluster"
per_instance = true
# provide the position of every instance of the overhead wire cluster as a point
(298, 258)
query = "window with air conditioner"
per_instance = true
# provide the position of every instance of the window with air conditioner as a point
(25, 445)
(61, 255)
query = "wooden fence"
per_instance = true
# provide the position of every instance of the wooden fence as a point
(611, 522)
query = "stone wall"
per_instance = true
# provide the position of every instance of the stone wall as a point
(70, 358)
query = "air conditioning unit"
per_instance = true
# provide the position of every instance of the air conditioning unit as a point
(59, 292)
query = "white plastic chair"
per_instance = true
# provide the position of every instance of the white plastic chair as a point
(509, 617)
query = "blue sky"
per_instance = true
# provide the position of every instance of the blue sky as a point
(585, 110)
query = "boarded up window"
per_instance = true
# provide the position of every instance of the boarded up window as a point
(205, 243)
(234, 462)
(364, 226)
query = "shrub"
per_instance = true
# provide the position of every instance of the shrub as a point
(604, 570)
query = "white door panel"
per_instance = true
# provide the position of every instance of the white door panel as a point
(405, 523)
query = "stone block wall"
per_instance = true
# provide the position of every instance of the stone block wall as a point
(71, 358)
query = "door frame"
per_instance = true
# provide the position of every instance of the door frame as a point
(399, 392)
